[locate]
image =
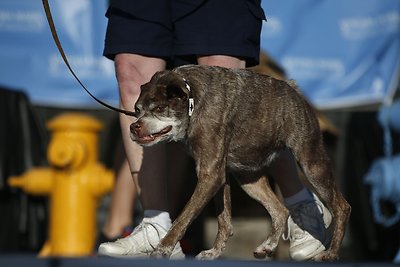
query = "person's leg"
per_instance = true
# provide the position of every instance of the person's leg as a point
(147, 165)
(222, 61)
(129, 38)
(120, 212)
(284, 172)
(133, 71)
(306, 212)
(308, 216)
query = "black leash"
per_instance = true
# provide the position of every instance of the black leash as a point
(64, 57)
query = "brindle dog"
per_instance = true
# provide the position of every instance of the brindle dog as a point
(236, 121)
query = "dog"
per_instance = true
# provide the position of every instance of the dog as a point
(235, 121)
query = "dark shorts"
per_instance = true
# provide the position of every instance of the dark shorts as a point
(190, 29)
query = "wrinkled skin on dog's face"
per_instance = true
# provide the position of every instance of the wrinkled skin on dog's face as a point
(161, 110)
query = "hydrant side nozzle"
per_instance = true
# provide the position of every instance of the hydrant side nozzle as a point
(15, 181)
(105, 182)
(37, 181)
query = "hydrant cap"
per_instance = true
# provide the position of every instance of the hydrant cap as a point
(74, 121)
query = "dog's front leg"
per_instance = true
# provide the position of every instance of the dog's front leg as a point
(225, 230)
(211, 176)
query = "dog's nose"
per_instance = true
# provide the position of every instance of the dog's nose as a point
(135, 127)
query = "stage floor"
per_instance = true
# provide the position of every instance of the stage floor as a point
(24, 260)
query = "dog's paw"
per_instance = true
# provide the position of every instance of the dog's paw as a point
(262, 254)
(326, 256)
(266, 249)
(161, 252)
(209, 254)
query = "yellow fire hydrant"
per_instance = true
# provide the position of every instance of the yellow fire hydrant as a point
(74, 182)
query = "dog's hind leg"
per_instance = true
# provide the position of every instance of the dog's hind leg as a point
(260, 190)
(311, 156)
(222, 202)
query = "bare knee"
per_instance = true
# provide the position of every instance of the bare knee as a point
(132, 71)
(222, 60)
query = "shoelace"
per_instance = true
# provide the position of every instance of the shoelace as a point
(142, 227)
(288, 236)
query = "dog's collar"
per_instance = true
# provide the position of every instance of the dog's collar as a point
(191, 99)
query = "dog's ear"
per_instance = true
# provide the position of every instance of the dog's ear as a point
(175, 91)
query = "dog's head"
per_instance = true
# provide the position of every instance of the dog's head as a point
(161, 110)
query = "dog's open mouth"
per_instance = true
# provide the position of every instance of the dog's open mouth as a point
(152, 137)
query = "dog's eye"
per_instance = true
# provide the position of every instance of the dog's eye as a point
(137, 110)
(160, 108)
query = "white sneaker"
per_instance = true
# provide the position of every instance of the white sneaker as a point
(140, 243)
(308, 236)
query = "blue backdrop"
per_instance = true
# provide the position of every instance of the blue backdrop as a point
(343, 53)
(30, 59)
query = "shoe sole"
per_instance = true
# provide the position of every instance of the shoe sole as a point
(300, 257)
(102, 251)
